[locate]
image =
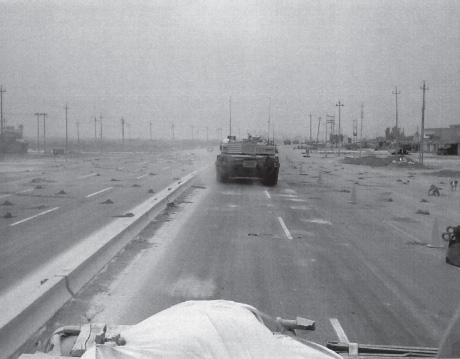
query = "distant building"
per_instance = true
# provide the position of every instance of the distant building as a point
(447, 138)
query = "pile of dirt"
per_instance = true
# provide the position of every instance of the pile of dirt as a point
(374, 161)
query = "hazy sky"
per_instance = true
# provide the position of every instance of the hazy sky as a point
(179, 62)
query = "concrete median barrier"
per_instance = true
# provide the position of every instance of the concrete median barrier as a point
(30, 304)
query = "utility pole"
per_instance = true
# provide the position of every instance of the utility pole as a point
(95, 135)
(310, 128)
(123, 132)
(192, 132)
(230, 103)
(66, 138)
(319, 124)
(424, 88)
(339, 105)
(396, 93)
(207, 134)
(100, 117)
(44, 132)
(355, 130)
(2, 124)
(151, 131)
(38, 132)
(172, 131)
(361, 139)
(78, 136)
(269, 105)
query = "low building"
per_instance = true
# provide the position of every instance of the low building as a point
(442, 140)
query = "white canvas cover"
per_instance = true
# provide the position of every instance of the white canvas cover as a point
(206, 329)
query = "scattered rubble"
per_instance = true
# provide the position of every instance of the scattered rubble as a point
(126, 215)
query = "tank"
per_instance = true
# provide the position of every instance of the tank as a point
(249, 158)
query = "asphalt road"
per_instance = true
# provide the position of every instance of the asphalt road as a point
(334, 250)
(48, 205)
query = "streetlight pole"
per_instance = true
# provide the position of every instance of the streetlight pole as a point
(44, 132)
(38, 132)
(66, 138)
(339, 105)
(396, 93)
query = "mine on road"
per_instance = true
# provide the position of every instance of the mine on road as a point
(342, 244)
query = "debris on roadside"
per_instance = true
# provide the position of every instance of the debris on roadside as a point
(7, 203)
(126, 215)
(61, 192)
(109, 201)
(420, 211)
(8, 215)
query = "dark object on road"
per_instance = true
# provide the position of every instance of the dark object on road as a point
(249, 158)
(8, 215)
(11, 141)
(61, 192)
(452, 150)
(400, 151)
(433, 191)
(109, 201)
(420, 211)
(452, 236)
(58, 151)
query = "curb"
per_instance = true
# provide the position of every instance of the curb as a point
(28, 306)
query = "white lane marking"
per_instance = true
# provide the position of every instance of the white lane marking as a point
(37, 215)
(267, 194)
(25, 191)
(95, 193)
(319, 220)
(142, 176)
(404, 232)
(165, 168)
(92, 174)
(286, 230)
(339, 330)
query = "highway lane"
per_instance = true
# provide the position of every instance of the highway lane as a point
(55, 207)
(300, 248)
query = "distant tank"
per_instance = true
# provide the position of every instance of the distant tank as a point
(11, 141)
(249, 158)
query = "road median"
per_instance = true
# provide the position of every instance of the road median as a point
(31, 303)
